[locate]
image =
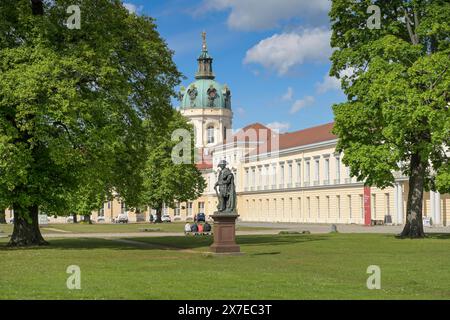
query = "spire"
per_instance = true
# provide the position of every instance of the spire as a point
(204, 62)
(204, 46)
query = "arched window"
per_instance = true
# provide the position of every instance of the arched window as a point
(210, 134)
(224, 133)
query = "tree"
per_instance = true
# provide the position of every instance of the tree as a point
(164, 181)
(397, 80)
(2, 215)
(72, 106)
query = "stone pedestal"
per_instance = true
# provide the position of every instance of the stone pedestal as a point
(224, 233)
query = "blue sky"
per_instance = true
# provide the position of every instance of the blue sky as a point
(273, 54)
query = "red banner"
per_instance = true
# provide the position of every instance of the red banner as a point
(367, 213)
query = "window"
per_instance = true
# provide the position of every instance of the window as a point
(260, 178)
(307, 171)
(246, 178)
(318, 207)
(374, 206)
(210, 133)
(274, 175)
(361, 204)
(101, 212)
(388, 205)
(177, 209)
(253, 177)
(189, 208)
(316, 171)
(224, 133)
(338, 169)
(328, 207)
(109, 204)
(308, 206)
(338, 206)
(201, 207)
(299, 175)
(349, 197)
(289, 173)
(267, 175)
(123, 208)
(281, 174)
(327, 169)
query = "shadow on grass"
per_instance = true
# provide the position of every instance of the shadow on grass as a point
(165, 243)
(441, 236)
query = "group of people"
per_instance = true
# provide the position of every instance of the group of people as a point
(197, 228)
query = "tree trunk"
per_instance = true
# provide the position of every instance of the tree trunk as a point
(75, 218)
(414, 225)
(2, 216)
(158, 214)
(87, 218)
(26, 230)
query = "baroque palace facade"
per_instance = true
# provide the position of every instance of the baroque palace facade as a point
(289, 177)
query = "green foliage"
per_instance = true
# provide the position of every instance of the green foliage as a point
(165, 181)
(73, 103)
(398, 89)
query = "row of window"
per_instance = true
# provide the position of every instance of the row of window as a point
(266, 176)
(322, 207)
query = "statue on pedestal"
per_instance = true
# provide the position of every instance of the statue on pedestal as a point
(227, 190)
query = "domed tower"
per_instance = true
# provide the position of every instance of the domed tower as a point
(207, 104)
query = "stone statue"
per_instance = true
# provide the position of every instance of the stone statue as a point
(227, 190)
(192, 92)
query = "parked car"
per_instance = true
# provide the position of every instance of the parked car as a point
(166, 218)
(69, 219)
(101, 219)
(121, 218)
(201, 217)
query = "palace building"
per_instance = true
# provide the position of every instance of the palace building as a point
(280, 177)
(289, 177)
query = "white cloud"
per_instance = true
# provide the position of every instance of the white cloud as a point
(265, 14)
(280, 126)
(328, 84)
(132, 8)
(288, 95)
(283, 51)
(302, 103)
(332, 83)
(240, 111)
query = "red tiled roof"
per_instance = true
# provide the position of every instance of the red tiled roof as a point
(307, 136)
(203, 166)
(298, 138)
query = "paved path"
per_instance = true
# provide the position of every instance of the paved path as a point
(343, 228)
(275, 229)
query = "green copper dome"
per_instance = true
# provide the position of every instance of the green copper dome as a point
(205, 92)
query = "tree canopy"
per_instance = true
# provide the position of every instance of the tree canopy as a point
(397, 80)
(165, 181)
(73, 104)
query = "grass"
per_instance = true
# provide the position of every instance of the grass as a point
(113, 228)
(327, 266)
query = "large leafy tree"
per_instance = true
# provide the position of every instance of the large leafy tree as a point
(166, 181)
(397, 81)
(72, 106)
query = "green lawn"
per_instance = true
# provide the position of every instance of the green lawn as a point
(115, 228)
(329, 266)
